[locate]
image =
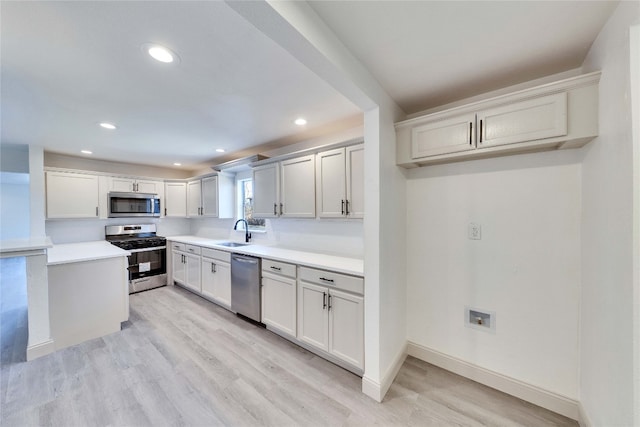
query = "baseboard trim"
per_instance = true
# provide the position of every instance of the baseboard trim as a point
(583, 418)
(543, 398)
(41, 349)
(376, 390)
(372, 389)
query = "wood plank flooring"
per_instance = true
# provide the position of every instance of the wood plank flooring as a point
(181, 360)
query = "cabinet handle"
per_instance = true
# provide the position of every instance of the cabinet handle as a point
(324, 300)
(280, 208)
(165, 211)
(342, 208)
(97, 211)
(329, 308)
(213, 268)
(326, 280)
(347, 207)
(480, 131)
(275, 209)
(275, 268)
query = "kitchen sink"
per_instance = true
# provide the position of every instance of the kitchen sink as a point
(233, 244)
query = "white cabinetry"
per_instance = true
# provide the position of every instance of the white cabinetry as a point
(135, 185)
(216, 276)
(186, 266)
(72, 195)
(279, 296)
(175, 195)
(331, 314)
(212, 196)
(340, 182)
(554, 116)
(285, 189)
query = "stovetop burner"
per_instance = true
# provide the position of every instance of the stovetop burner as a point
(139, 243)
(134, 236)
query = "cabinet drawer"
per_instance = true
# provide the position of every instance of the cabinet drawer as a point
(193, 249)
(216, 254)
(178, 246)
(332, 280)
(278, 267)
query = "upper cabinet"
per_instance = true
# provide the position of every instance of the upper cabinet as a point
(85, 191)
(285, 189)
(175, 196)
(553, 116)
(340, 182)
(212, 196)
(135, 185)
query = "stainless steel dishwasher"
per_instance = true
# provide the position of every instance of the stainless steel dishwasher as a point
(245, 286)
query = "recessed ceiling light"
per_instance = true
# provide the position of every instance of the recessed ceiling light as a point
(219, 150)
(160, 53)
(108, 125)
(86, 152)
(177, 164)
(300, 121)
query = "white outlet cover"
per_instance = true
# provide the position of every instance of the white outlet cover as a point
(474, 231)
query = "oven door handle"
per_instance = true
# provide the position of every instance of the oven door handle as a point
(146, 249)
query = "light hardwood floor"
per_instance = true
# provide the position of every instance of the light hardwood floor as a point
(182, 360)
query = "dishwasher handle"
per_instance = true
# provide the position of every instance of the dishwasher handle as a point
(245, 260)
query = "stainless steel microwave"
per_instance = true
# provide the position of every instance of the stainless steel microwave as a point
(123, 205)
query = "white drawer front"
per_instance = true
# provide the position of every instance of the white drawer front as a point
(278, 267)
(193, 249)
(177, 246)
(216, 254)
(333, 280)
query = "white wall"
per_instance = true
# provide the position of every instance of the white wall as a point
(607, 335)
(14, 205)
(526, 267)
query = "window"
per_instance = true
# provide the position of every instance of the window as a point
(245, 208)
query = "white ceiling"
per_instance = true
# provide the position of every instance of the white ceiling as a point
(68, 65)
(430, 53)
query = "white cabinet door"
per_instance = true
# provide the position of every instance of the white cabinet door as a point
(266, 194)
(530, 120)
(192, 273)
(313, 321)
(279, 303)
(330, 183)
(216, 280)
(72, 195)
(210, 196)
(346, 327)
(194, 198)
(355, 181)
(443, 136)
(150, 187)
(178, 271)
(124, 185)
(175, 199)
(297, 188)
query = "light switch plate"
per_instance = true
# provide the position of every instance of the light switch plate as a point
(474, 231)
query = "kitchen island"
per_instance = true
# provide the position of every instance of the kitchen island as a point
(88, 291)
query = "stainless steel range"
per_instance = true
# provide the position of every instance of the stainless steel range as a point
(148, 260)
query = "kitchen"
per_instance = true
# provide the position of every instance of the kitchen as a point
(389, 236)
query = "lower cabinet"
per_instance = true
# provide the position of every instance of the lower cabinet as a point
(216, 276)
(279, 296)
(331, 314)
(185, 265)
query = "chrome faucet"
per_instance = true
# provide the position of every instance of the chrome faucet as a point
(247, 235)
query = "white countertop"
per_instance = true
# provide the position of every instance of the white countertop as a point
(346, 265)
(23, 245)
(85, 251)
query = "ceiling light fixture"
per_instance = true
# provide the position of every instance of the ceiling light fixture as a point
(108, 125)
(219, 150)
(160, 53)
(86, 152)
(300, 121)
(177, 164)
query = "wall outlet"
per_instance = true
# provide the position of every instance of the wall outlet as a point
(480, 319)
(474, 231)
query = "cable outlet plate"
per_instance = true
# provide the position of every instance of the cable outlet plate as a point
(483, 320)
(474, 231)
